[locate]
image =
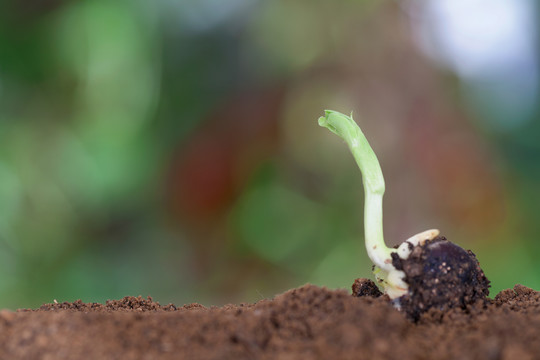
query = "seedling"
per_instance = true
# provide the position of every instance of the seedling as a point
(425, 261)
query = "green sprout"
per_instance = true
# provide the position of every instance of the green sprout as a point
(392, 279)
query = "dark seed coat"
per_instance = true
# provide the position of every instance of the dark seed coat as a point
(440, 275)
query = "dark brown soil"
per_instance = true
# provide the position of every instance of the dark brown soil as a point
(304, 323)
(440, 275)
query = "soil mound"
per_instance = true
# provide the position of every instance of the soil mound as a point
(309, 322)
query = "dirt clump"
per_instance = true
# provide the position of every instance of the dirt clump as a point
(365, 287)
(440, 275)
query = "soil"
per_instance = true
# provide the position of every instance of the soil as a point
(309, 322)
(441, 275)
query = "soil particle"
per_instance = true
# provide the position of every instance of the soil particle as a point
(365, 287)
(440, 275)
(309, 322)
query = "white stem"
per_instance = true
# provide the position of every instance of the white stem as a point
(373, 228)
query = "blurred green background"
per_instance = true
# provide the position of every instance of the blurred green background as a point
(171, 148)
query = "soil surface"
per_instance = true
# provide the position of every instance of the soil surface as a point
(309, 322)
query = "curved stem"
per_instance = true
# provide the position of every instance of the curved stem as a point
(372, 178)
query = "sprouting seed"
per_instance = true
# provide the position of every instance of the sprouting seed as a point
(412, 274)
